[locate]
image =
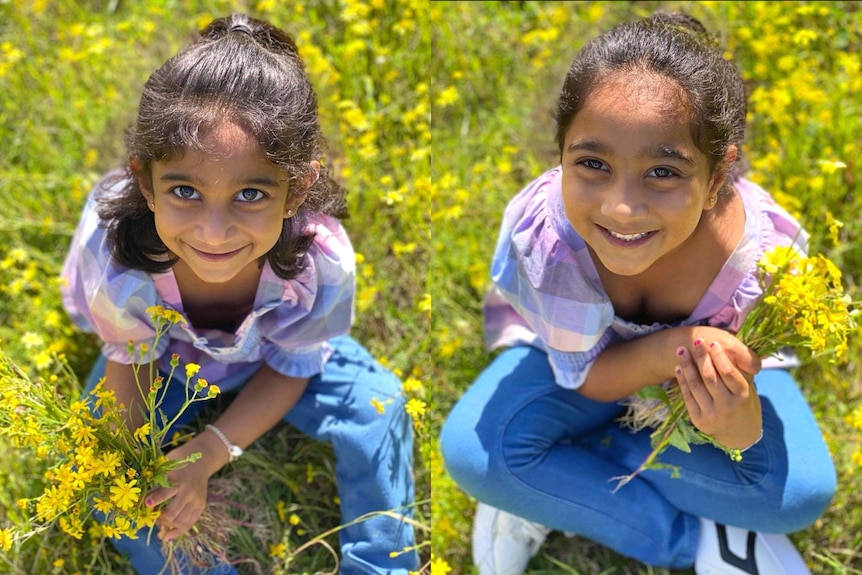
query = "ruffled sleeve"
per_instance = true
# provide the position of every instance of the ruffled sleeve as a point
(314, 307)
(543, 272)
(737, 288)
(106, 298)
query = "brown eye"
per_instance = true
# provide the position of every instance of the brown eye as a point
(663, 172)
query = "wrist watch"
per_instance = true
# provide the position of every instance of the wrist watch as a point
(233, 450)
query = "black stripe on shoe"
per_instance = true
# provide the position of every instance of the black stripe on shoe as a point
(747, 564)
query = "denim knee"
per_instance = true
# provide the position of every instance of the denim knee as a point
(466, 460)
(805, 498)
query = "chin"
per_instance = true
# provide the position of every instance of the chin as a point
(626, 270)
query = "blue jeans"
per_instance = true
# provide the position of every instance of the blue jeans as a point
(373, 461)
(521, 443)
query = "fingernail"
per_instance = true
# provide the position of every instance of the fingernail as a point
(149, 502)
(698, 342)
(712, 345)
(678, 370)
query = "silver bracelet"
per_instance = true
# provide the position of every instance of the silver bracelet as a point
(756, 441)
(233, 450)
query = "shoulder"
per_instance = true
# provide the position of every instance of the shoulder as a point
(772, 225)
(767, 225)
(537, 238)
(542, 268)
(330, 255)
(325, 285)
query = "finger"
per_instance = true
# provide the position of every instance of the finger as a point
(700, 356)
(690, 373)
(172, 513)
(688, 399)
(733, 380)
(749, 362)
(159, 495)
(182, 524)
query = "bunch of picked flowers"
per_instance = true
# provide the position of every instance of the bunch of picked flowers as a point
(97, 463)
(803, 307)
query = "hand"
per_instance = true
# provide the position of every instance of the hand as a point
(187, 495)
(742, 356)
(719, 397)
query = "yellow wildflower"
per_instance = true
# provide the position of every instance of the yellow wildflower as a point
(192, 369)
(124, 494)
(6, 539)
(413, 385)
(415, 408)
(142, 432)
(277, 550)
(439, 566)
(102, 506)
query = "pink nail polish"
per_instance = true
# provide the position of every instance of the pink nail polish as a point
(681, 352)
(712, 345)
(149, 502)
(698, 342)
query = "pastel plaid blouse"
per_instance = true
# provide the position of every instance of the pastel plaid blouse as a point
(547, 293)
(287, 329)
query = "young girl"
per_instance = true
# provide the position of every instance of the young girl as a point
(226, 216)
(631, 264)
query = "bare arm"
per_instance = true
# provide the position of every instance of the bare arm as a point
(262, 403)
(120, 379)
(625, 368)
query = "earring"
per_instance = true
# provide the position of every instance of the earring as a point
(289, 212)
(152, 206)
(710, 201)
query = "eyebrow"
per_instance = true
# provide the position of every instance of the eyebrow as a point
(265, 181)
(662, 151)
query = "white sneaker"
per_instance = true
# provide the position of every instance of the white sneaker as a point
(726, 550)
(504, 543)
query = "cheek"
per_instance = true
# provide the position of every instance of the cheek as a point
(270, 231)
(168, 226)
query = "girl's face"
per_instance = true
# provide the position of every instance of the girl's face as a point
(634, 183)
(220, 210)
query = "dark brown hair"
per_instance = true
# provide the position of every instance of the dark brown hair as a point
(250, 73)
(678, 47)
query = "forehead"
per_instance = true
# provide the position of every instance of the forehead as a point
(218, 142)
(640, 89)
(634, 108)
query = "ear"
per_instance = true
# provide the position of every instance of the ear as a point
(145, 184)
(297, 198)
(719, 177)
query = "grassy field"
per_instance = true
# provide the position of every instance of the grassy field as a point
(436, 114)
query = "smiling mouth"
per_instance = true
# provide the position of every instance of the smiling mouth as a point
(215, 256)
(627, 237)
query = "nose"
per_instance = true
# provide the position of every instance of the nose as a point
(624, 201)
(214, 224)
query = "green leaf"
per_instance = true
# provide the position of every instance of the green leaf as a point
(654, 392)
(678, 440)
(693, 435)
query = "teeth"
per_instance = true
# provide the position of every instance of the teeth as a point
(627, 237)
